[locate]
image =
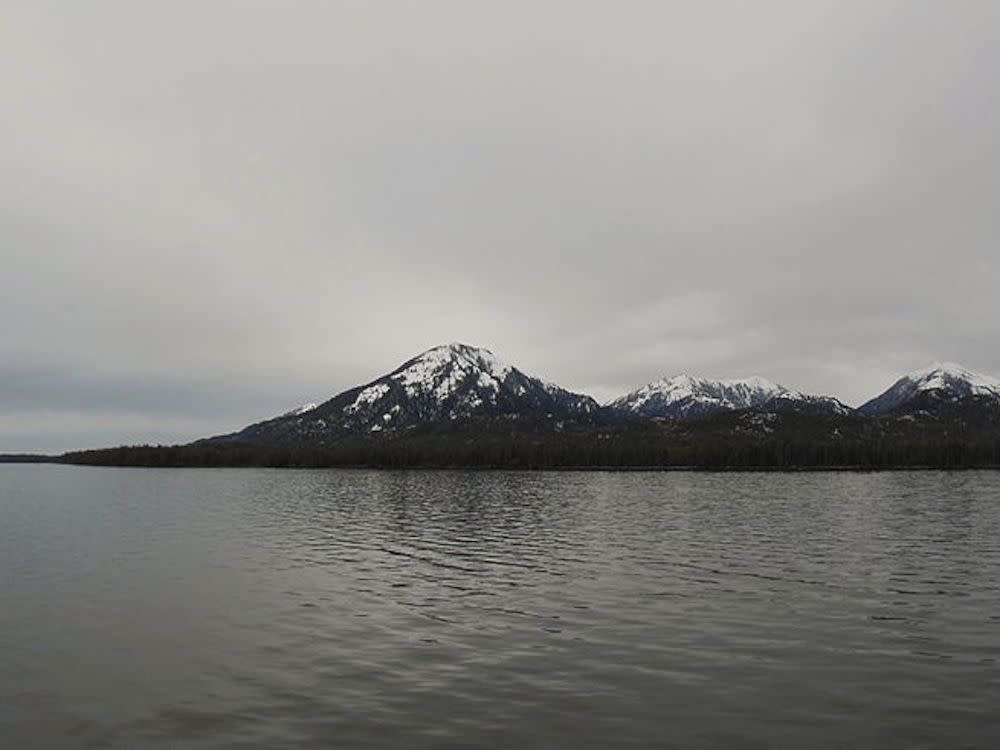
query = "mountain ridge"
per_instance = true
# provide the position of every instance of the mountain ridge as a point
(457, 406)
(458, 386)
(687, 397)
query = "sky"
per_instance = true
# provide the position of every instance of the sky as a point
(211, 212)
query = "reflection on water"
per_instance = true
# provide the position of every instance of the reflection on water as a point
(243, 608)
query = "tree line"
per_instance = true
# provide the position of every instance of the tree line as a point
(563, 453)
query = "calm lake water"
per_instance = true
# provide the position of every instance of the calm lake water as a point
(264, 609)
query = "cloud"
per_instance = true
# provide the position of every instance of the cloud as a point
(223, 210)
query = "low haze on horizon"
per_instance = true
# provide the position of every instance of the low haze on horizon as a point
(214, 212)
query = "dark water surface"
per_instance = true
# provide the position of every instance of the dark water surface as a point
(265, 609)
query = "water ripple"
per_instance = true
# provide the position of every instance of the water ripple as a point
(252, 609)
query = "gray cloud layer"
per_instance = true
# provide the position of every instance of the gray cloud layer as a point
(212, 211)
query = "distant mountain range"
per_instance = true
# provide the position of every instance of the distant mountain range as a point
(459, 387)
(461, 406)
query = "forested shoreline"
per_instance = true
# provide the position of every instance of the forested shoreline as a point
(560, 454)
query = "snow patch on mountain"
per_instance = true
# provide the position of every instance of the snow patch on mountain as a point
(367, 397)
(299, 410)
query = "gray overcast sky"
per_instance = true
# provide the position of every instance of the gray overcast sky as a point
(213, 211)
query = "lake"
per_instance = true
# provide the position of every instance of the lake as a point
(146, 608)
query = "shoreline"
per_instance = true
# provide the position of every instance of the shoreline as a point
(857, 469)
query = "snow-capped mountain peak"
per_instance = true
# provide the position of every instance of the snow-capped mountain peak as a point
(443, 369)
(687, 397)
(940, 381)
(944, 375)
(443, 385)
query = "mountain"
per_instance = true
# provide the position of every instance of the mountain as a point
(937, 387)
(461, 393)
(444, 386)
(460, 406)
(686, 397)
